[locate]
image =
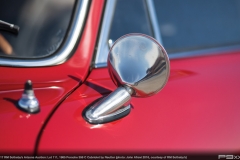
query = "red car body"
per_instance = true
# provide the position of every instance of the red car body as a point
(196, 112)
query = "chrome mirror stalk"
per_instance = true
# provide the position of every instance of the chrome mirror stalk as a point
(140, 67)
(112, 107)
(118, 98)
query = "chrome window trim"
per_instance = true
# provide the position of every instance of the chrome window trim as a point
(103, 47)
(63, 53)
(154, 21)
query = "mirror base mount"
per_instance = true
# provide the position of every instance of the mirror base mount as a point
(118, 114)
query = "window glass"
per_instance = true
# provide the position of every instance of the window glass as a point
(198, 24)
(43, 26)
(130, 16)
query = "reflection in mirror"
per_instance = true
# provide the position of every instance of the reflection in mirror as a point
(140, 62)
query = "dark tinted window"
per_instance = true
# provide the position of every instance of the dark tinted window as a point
(198, 24)
(130, 16)
(43, 26)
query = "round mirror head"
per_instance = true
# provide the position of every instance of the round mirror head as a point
(139, 62)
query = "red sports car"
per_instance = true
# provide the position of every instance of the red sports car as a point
(69, 85)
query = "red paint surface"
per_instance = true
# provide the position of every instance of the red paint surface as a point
(18, 130)
(197, 111)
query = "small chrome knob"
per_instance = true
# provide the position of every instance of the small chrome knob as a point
(140, 67)
(28, 101)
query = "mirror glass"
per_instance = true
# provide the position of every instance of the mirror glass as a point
(140, 62)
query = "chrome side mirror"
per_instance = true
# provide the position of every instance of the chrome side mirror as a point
(140, 67)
